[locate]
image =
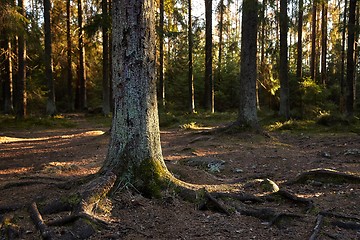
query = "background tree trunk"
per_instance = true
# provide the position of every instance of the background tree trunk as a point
(350, 69)
(190, 64)
(50, 106)
(313, 41)
(20, 96)
(6, 75)
(209, 81)
(135, 154)
(105, 67)
(81, 82)
(324, 10)
(247, 91)
(299, 70)
(68, 56)
(283, 74)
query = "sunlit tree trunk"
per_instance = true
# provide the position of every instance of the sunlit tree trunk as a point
(209, 81)
(161, 57)
(324, 10)
(221, 27)
(342, 76)
(68, 56)
(299, 70)
(20, 96)
(50, 106)
(105, 67)
(247, 88)
(283, 74)
(81, 82)
(350, 68)
(134, 153)
(190, 63)
(313, 41)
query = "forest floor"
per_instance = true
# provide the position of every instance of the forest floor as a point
(34, 161)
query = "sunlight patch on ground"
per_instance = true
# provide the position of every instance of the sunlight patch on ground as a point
(16, 170)
(5, 139)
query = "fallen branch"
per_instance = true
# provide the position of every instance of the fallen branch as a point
(346, 225)
(318, 224)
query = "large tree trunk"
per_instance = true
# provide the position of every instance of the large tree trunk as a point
(350, 70)
(135, 152)
(221, 21)
(209, 81)
(50, 106)
(247, 92)
(21, 74)
(283, 74)
(190, 63)
(105, 83)
(342, 76)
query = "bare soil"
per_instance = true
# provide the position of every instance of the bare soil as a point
(33, 163)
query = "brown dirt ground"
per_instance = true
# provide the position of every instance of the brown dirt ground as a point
(42, 158)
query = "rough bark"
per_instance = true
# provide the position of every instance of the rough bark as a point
(135, 154)
(161, 53)
(247, 115)
(283, 74)
(50, 106)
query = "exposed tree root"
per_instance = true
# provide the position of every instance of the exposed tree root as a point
(290, 196)
(81, 204)
(326, 176)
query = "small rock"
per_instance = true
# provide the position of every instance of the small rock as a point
(326, 154)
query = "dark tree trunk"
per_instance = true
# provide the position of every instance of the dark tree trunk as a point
(161, 60)
(221, 28)
(283, 74)
(247, 92)
(190, 63)
(6, 75)
(50, 106)
(209, 81)
(105, 70)
(324, 10)
(21, 74)
(69, 61)
(313, 41)
(135, 155)
(350, 68)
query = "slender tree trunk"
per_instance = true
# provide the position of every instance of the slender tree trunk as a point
(299, 71)
(7, 78)
(283, 74)
(105, 70)
(161, 60)
(221, 28)
(350, 69)
(247, 92)
(21, 74)
(69, 61)
(209, 81)
(313, 41)
(190, 64)
(342, 76)
(50, 106)
(324, 10)
(81, 86)
(135, 155)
